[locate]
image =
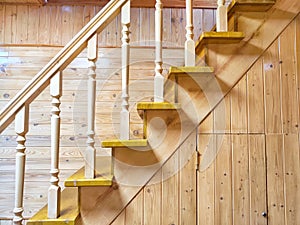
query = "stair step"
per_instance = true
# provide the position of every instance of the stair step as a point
(115, 143)
(190, 71)
(250, 6)
(157, 106)
(213, 37)
(78, 179)
(69, 210)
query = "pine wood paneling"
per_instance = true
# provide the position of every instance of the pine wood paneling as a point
(262, 158)
(273, 118)
(43, 25)
(288, 80)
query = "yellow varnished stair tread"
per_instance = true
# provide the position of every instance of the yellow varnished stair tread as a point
(114, 143)
(78, 179)
(190, 71)
(213, 37)
(69, 210)
(157, 106)
(250, 5)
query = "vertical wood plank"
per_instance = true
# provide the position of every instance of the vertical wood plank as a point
(198, 29)
(78, 19)
(298, 57)
(2, 26)
(44, 26)
(10, 24)
(88, 14)
(205, 187)
(55, 24)
(292, 179)
(208, 19)
(135, 26)
(152, 200)
(176, 29)
(144, 22)
(67, 24)
(111, 38)
(33, 24)
(239, 107)
(276, 214)
(288, 79)
(152, 26)
(257, 164)
(255, 98)
(167, 27)
(134, 211)
(223, 184)
(273, 118)
(170, 191)
(222, 116)
(188, 187)
(22, 24)
(240, 167)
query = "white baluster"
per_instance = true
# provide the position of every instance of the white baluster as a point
(54, 189)
(124, 115)
(90, 157)
(158, 79)
(189, 43)
(21, 128)
(222, 16)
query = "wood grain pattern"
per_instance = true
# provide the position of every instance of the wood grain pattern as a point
(42, 25)
(288, 78)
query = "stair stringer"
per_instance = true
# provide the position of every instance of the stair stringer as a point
(229, 70)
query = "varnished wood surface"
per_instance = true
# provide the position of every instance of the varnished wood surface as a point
(135, 3)
(37, 25)
(257, 166)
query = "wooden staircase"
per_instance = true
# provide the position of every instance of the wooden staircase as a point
(191, 92)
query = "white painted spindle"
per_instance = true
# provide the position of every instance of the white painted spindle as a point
(222, 16)
(21, 128)
(90, 157)
(54, 189)
(124, 115)
(158, 79)
(189, 43)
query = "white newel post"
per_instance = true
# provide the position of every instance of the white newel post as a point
(90, 157)
(21, 128)
(189, 43)
(158, 79)
(124, 115)
(54, 189)
(222, 16)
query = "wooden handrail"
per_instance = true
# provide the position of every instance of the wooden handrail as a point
(41, 80)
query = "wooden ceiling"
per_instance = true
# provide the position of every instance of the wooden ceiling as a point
(135, 3)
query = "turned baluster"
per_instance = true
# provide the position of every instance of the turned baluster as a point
(189, 43)
(222, 16)
(54, 189)
(124, 115)
(90, 155)
(21, 128)
(158, 79)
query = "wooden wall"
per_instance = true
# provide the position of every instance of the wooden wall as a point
(56, 25)
(29, 37)
(257, 167)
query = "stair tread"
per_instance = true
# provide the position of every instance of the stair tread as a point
(191, 69)
(78, 179)
(69, 210)
(158, 106)
(250, 5)
(113, 143)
